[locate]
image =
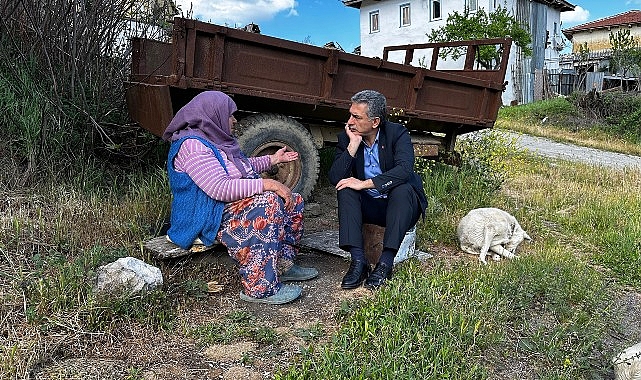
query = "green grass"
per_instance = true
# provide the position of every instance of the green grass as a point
(311, 334)
(453, 191)
(594, 210)
(558, 109)
(552, 308)
(451, 318)
(611, 123)
(416, 327)
(58, 286)
(455, 321)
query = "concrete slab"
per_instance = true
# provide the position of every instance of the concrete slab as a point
(327, 241)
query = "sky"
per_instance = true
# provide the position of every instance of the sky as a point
(312, 21)
(320, 21)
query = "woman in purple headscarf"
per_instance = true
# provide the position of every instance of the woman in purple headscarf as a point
(218, 195)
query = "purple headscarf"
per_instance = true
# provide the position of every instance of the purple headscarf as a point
(207, 116)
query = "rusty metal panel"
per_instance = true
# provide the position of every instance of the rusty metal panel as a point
(262, 67)
(267, 74)
(149, 57)
(354, 76)
(150, 106)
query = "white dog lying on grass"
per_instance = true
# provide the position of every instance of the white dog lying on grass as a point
(627, 364)
(490, 229)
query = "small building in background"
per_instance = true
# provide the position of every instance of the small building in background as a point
(593, 68)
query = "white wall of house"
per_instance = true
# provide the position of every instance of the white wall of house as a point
(424, 18)
(390, 31)
(555, 40)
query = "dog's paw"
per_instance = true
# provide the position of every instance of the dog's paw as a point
(509, 255)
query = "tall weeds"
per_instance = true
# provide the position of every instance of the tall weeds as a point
(62, 67)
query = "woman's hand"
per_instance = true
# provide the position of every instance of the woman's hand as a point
(281, 190)
(282, 155)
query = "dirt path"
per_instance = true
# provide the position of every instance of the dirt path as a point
(566, 151)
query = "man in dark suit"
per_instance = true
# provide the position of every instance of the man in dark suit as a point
(373, 171)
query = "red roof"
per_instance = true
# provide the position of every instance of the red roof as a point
(622, 19)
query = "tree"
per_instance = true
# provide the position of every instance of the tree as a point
(481, 25)
(623, 52)
(583, 56)
(636, 68)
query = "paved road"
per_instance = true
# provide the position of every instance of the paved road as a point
(565, 151)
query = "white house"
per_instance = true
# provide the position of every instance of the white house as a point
(399, 22)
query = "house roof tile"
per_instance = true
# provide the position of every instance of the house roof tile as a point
(632, 17)
(561, 5)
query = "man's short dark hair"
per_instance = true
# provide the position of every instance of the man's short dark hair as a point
(376, 103)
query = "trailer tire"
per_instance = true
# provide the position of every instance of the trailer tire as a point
(266, 133)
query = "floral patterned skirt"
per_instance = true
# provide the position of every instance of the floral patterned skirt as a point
(261, 235)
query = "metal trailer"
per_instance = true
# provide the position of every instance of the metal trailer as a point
(297, 95)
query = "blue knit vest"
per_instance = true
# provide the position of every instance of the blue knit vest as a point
(194, 214)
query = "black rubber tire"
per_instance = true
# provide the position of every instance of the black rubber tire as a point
(266, 133)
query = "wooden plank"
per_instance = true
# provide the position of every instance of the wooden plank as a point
(160, 248)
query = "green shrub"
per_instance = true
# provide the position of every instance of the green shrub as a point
(619, 112)
(62, 98)
(486, 152)
(556, 109)
(617, 105)
(630, 124)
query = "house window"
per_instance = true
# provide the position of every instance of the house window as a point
(435, 10)
(472, 5)
(373, 22)
(405, 15)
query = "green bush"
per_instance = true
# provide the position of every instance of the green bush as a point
(62, 70)
(617, 105)
(618, 111)
(623, 114)
(631, 124)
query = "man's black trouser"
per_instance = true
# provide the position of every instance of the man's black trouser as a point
(397, 213)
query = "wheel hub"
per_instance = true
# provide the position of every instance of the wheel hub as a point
(288, 173)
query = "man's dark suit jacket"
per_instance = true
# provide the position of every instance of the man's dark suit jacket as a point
(396, 156)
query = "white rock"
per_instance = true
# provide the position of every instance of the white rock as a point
(129, 275)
